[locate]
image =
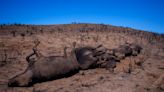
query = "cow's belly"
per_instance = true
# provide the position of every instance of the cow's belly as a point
(53, 67)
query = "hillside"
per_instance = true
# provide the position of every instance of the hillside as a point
(17, 41)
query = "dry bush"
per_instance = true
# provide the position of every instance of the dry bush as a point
(7, 54)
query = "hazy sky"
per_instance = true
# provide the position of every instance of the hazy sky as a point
(141, 14)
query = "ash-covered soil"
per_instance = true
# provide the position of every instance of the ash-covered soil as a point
(141, 73)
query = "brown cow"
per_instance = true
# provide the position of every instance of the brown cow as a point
(45, 68)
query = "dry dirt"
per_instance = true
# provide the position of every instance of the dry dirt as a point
(146, 70)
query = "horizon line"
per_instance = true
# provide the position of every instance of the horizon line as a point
(46, 24)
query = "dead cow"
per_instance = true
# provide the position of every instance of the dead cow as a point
(46, 68)
(127, 50)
